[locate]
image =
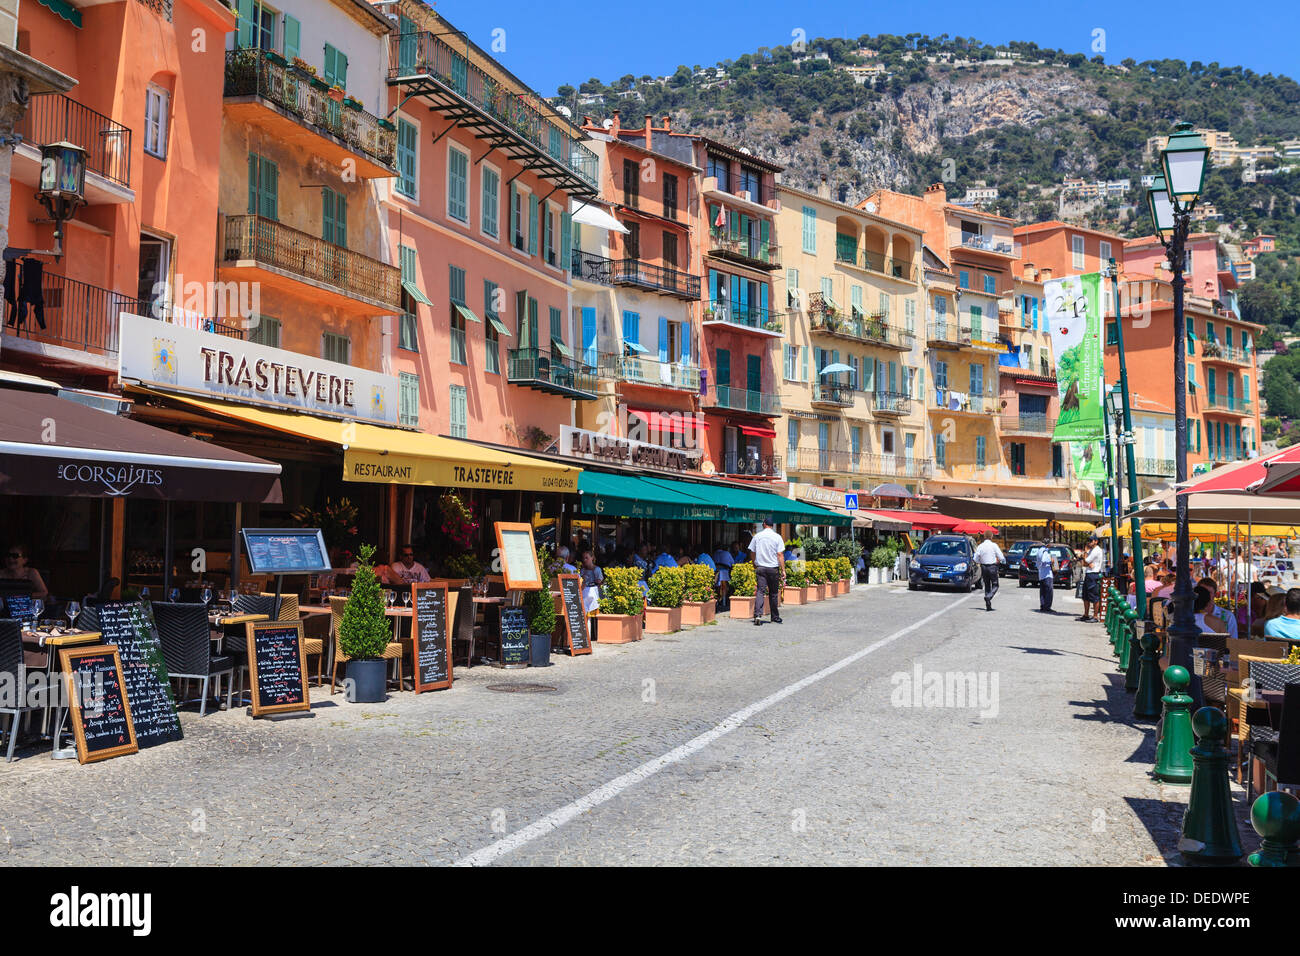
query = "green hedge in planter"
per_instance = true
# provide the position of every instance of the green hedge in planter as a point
(816, 572)
(540, 608)
(699, 583)
(843, 568)
(882, 558)
(796, 574)
(743, 580)
(666, 587)
(621, 594)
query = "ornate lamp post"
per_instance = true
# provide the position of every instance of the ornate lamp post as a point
(63, 186)
(1170, 201)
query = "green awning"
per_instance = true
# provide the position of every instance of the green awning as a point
(558, 346)
(66, 10)
(498, 325)
(414, 292)
(632, 496)
(747, 504)
(467, 313)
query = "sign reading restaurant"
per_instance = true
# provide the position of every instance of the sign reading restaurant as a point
(219, 366)
(598, 446)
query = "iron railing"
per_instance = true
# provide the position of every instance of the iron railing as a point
(947, 333)
(1229, 403)
(955, 400)
(891, 403)
(1028, 423)
(550, 371)
(646, 275)
(55, 118)
(746, 316)
(870, 329)
(897, 466)
(274, 244)
(161, 7)
(974, 240)
(743, 246)
(641, 370)
(832, 393)
(260, 73)
(426, 54)
(1224, 353)
(764, 466)
(1155, 467)
(744, 400)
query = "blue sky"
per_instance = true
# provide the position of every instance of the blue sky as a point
(550, 44)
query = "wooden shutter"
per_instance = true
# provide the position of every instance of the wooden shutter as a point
(292, 37)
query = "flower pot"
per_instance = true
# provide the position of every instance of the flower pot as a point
(794, 595)
(843, 586)
(742, 607)
(823, 591)
(539, 650)
(335, 94)
(663, 620)
(699, 612)
(367, 680)
(617, 628)
(815, 593)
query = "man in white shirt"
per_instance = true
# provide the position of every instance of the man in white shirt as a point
(407, 568)
(1093, 560)
(988, 556)
(1045, 561)
(769, 567)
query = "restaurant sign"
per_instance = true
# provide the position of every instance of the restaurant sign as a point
(822, 495)
(610, 449)
(218, 366)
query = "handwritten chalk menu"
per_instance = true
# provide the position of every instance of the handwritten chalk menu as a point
(20, 606)
(286, 550)
(575, 618)
(514, 636)
(518, 554)
(100, 712)
(278, 666)
(129, 626)
(431, 637)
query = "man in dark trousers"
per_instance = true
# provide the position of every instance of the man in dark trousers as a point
(769, 567)
(988, 555)
(1045, 561)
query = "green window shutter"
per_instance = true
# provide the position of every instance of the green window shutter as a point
(292, 37)
(252, 184)
(724, 367)
(409, 409)
(809, 229)
(532, 225)
(457, 185)
(406, 257)
(336, 66)
(327, 214)
(459, 418)
(407, 47)
(511, 217)
(491, 202)
(566, 240)
(247, 25)
(521, 311)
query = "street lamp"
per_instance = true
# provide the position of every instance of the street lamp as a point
(62, 186)
(1170, 201)
(1122, 412)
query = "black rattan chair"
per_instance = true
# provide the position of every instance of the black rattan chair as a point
(236, 644)
(187, 649)
(15, 673)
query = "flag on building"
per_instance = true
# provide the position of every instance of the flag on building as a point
(1073, 315)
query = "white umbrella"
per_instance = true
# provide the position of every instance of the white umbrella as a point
(834, 368)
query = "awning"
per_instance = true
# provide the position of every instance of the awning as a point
(52, 446)
(381, 455)
(498, 325)
(1029, 510)
(414, 292)
(466, 312)
(637, 347)
(921, 520)
(1077, 525)
(882, 522)
(673, 422)
(747, 504)
(558, 346)
(757, 432)
(592, 215)
(634, 496)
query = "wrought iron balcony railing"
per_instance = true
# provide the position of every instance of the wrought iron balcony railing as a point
(897, 466)
(744, 400)
(1155, 467)
(739, 245)
(891, 403)
(643, 370)
(764, 466)
(955, 400)
(974, 240)
(646, 275)
(833, 393)
(870, 329)
(948, 333)
(1217, 351)
(1027, 423)
(745, 316)
(262, 73)
(271, 243)
(551, 372)
(55, 118)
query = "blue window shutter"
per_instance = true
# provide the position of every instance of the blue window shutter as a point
(532, 225)
(686, 343)
(663, 339)
(589, 335)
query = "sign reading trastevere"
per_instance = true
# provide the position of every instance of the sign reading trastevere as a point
(217, 366)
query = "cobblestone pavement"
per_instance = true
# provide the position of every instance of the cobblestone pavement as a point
(835, 772)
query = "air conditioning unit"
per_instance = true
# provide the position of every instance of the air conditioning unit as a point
(746, 195)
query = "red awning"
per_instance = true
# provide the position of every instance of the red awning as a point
(758, 432)
(921, 520)
(670, 421)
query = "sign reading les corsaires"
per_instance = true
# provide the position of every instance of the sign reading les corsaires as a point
(219, 366)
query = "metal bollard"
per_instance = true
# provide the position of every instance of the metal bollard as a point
(1135, 654)
(1209, 825)
(1146, 704)
(1173, 754)
(1276, 818)
(1126, 625)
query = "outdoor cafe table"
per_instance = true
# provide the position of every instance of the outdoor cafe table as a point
(54, 642)
(219, 622)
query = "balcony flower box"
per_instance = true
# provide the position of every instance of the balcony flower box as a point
(352, 104)
(695, 613)
(275, 58)
(617, 628)
(663, 620)
(317, 83)
(387, 125)
(336, 93)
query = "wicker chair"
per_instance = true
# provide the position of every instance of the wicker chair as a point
(391, 653)
(187, 649)
(1281, 757)
(311, 646)
(1214, 687)
(1270, 675)
(13, 668)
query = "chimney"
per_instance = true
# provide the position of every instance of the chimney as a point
(1031, 271)
(1044, 273)
(823, 189)
(649, 125)
(936, 194)
(668, 123)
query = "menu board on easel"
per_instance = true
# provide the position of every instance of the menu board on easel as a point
(575, 618)
(100, 712)
(518, 553)
(431, 637)
(277, 667)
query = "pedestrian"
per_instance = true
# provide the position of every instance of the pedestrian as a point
(989, 556)
(1092, 564)
(769, 567)
(592, 578)
(1046, 564)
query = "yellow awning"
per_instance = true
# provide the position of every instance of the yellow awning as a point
(1077, 525)
(1159, 530)
(384, 455)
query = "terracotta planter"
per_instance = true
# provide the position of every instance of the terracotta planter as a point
(663, 620)
(617, 628)
(698, 612)
(742, 607)
(814, 593)
(794, 596)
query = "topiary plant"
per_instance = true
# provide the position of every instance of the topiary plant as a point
(364, 633)
(699, 583)
(743, 580)
(666, 587)
(540, 608)
(796, 574)
(621, 594)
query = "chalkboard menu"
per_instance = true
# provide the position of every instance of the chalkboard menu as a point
(278, 667)
(286, 550)
(514, 636)
(100, 712)
(431, 637)
(129, 626)
(19, 606)
(575, 618)
(518, 555)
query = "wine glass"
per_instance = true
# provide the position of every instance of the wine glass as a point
(390, 598)
(72, 610)
(406, 597)
(207, 595)
(38, 608)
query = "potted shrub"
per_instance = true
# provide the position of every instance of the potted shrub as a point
(336, 93)
(273, 57)
(843, 573)
(796, 583)
(621, 606)
(364, 633)
(881, 559)
(815, 575)
(663, 613)
(539, 606)
(387, 126)
(699, 599)
(353, 104)
(743, 585)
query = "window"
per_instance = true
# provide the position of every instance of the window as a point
(156, 104)
(492, 334)
(981, 443)
(155, 267)
(336, 67)
(1017, 458)
(549, 253)
(990, 285)
(884, 305)
(670, 196)
(457, 184)
(265, 331)
(1104, 255)
(631, 328)
(722, 366)
(409, 399)
(491, 220)
(256, 26)
(533, 208)
(517, 235)
(632, 241)
(963, 279)
(751, 181)
(336, 348)
(940, 374)
(263, 187)
(334, 217)
(940, 450)
(459, 412)
(1058, 462)
(1112, 334)
(909, 314)
(412, 298)
(792, 434)
(670, 250)
(456, 283)
(557, 330)
(1076, 252)
(407, 138)
(810, 230)
(720, 169)
(792, 286)
(631, 183)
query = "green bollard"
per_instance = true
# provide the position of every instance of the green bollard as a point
(1135, 655)
(1276, 818)
(1128, 616)
(1209, 825)
(1146, 704)
(1110, 616)
(1173, 754)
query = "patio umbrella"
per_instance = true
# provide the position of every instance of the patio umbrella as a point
(1238, 477)
(1281, 474)
(835, 368)
(890, 490)
(974, 527)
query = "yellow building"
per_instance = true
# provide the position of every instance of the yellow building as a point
(852, 361)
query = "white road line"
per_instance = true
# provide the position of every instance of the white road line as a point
(558, 818)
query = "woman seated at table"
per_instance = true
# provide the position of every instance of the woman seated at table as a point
(1273, 608)
(1206, 620)
(592, 578)
(15, 569)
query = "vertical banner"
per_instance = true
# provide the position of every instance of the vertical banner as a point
(1074, 317)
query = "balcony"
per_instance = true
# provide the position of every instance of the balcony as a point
(55, 118)
(639, 370)
(745, 317)
(947, 335)
(645, 275)
(1222, 354)
(954, 401)
(746, 250)
(295, 108)
(259, 249)
(892, 404)
(1032, 424)
(876, 262)
(986, 339)
(744, 400)
(762, 466)
(843, 461)
(895, 466)
(551, 372)
(983, 243)
(425, 65)
(1230, 404)
(873, 330)
(1155, 467)
(832, 394)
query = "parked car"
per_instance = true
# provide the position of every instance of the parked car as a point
(1061, 577)
(944, 560)
(1010, 568)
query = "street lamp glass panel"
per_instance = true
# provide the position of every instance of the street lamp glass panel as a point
(1161, 208)
(63, 171)
(1183, 162)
